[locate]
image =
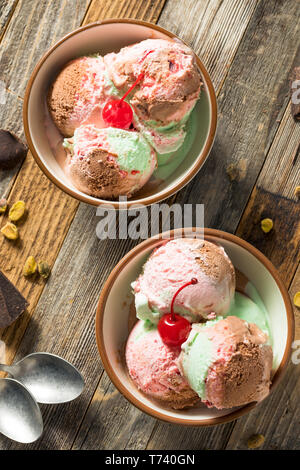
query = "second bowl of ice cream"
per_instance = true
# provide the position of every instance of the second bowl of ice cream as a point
(120, 108)
(195, 331)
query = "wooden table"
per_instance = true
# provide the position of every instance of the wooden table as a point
(249, 48)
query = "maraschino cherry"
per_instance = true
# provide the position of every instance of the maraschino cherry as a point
(118, 113)
(173, 328)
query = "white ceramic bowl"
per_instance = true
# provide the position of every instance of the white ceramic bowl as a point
(103, 37)
(113, 319)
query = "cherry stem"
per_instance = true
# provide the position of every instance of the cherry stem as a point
(192, 281)
(140, 77)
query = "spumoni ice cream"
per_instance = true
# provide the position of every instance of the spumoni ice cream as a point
(172, 264)
(109, 162)
(167, 93)
(87, 92)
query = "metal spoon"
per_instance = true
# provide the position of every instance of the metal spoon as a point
(20, 416)
(49, 378)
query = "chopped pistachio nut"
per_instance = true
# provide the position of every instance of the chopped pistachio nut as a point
(297, 299)
(232, 171)
(17, 211)
(266, 225)
(44, 269)
(297, 191)
(30, 266)
(255, 441)
(10, 231)
(3, 205)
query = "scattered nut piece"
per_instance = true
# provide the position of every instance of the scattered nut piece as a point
(297, 191)
(44, 269)
(237, 171)
(266, 225)
(30, 266)
(17, 211)
(297, 299)
(232, 171)
(255, 441)
(10, 231)
(3, 205)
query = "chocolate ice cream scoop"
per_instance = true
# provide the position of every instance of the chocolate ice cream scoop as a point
(171, 82)
(227, 362)
(77, 93)
(12, 150)
(108, 163)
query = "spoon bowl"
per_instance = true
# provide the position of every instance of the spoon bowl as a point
(48, 377)
(20, 416)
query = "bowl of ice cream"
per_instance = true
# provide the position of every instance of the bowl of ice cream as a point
(120, 109)
(194, 330)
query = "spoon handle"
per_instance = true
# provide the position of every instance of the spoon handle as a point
(5, 368)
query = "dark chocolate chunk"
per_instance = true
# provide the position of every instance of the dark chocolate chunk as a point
(12, 302)
(295, 93)
(12, 150)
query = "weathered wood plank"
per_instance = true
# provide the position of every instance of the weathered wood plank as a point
(33, 27)
(173, 437)
(251, 103)
(281, 171)
(282, 243)
(50, 213)
(31, 31)
(274, 197)
(278, 417)
(109, 406)
(212, 28)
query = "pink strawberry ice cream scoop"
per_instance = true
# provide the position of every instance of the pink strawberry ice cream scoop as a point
(109, 162)
(175, 263)
(227, 362)
(78, 93)
(153, 367)
(171, 81)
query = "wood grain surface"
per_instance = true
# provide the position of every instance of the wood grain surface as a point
(250, 108)
(6, 11)
(251, 173)
(37, 191)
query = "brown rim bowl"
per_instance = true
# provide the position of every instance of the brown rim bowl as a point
(107, 36)
(115, 304)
